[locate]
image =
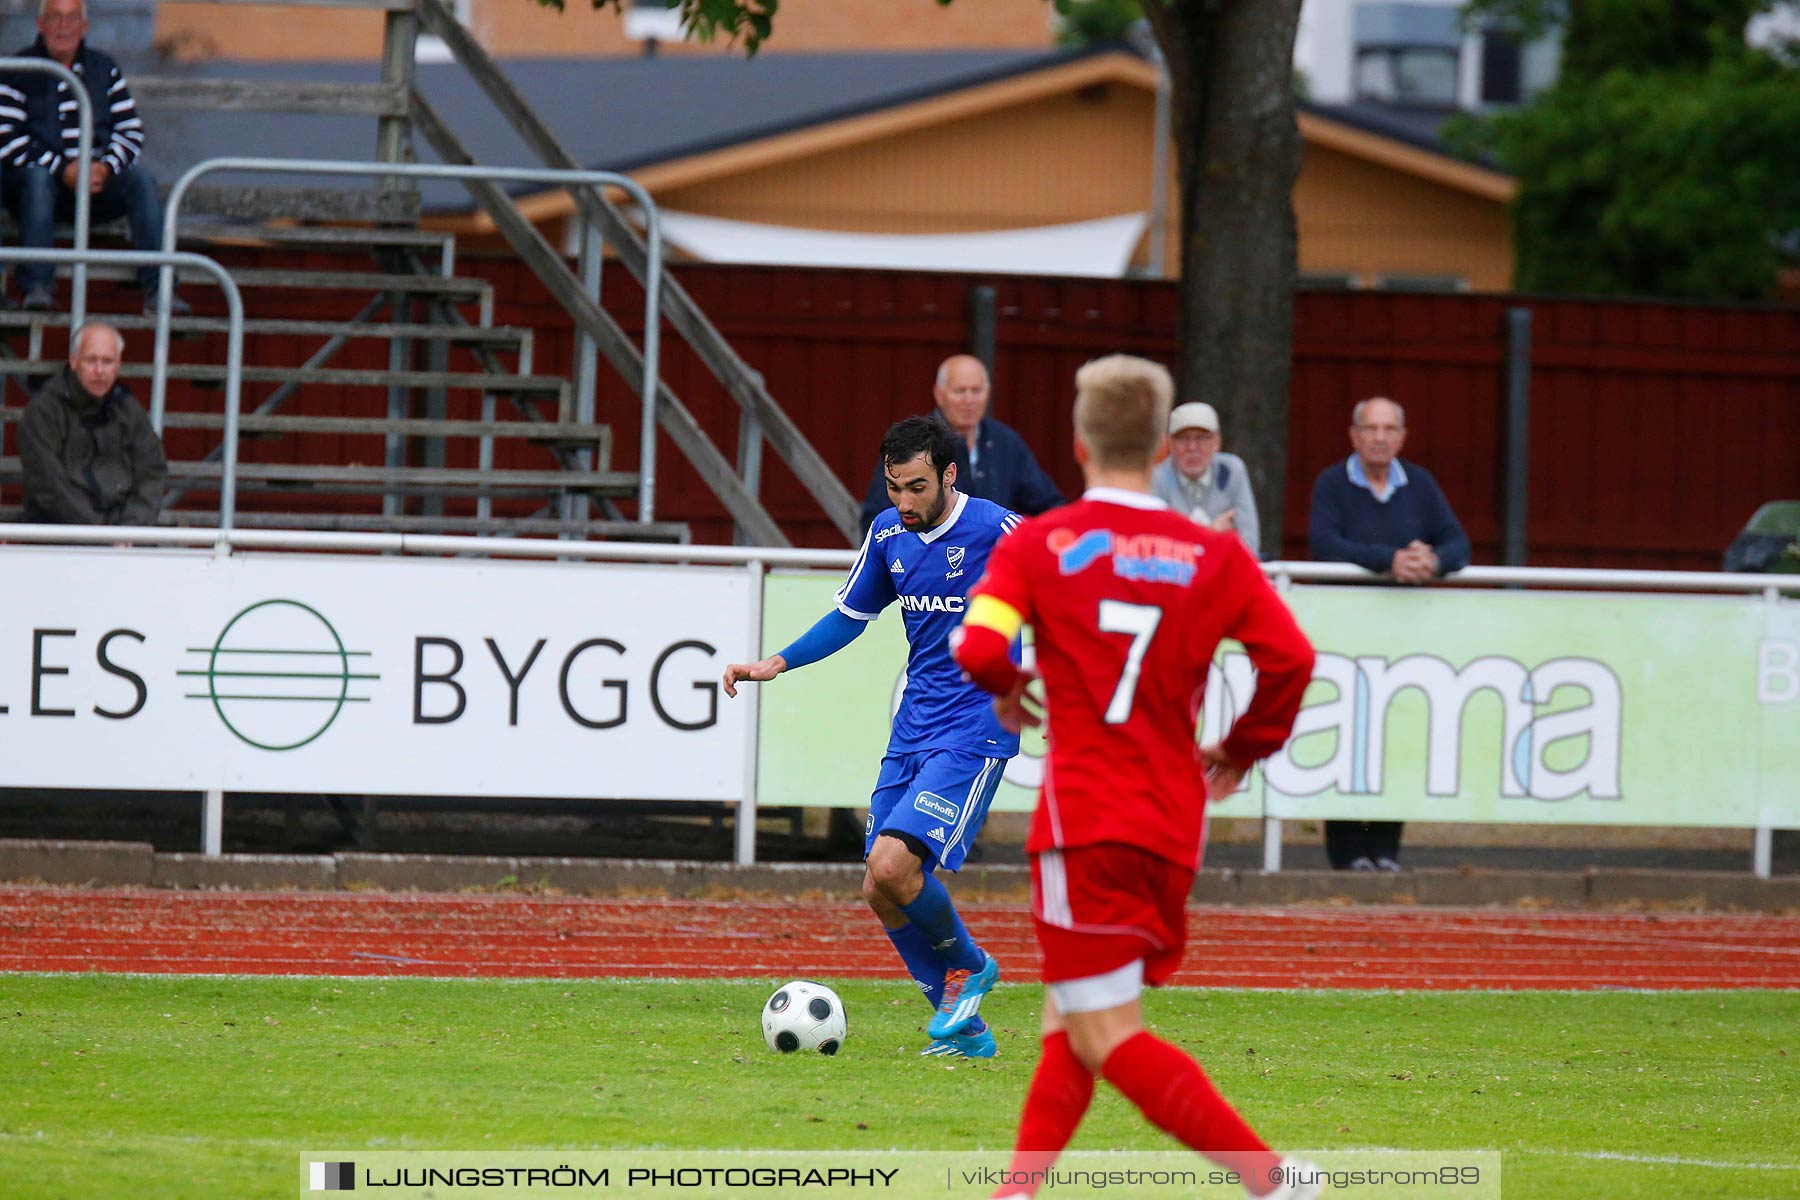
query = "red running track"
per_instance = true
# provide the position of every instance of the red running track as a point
(327, 933)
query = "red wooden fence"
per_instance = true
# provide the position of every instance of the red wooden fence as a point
(1656, 428)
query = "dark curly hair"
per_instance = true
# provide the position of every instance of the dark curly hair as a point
(907, 439)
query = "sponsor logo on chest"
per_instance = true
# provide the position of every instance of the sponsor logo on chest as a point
(932, 604)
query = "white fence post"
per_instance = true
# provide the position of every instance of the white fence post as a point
(746, 816)
(212, 823)
(1271, 843)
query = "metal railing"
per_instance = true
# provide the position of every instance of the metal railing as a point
(1598, 579)
(652, 286)
(1280, 572)
(84, 161)
(234, 334)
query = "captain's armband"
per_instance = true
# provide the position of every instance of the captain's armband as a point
(990, 612)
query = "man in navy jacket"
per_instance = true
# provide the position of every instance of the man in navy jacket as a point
(39, 134)
(992, 460)
(1388, 516)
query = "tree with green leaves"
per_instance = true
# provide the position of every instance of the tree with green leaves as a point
(1093, 22)
(1231, 68)
(1664, 160)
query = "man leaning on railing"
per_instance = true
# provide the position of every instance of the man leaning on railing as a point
(1388, 516)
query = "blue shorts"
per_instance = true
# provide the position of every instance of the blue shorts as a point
(937, 797)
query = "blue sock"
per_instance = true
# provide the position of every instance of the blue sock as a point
(935, 916)
(924, 965)
(922, 962)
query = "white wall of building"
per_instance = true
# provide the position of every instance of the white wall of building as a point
(1325, 49)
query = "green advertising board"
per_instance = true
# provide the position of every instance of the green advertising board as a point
(1540, 707)
(1778, 699)
(1431, 704)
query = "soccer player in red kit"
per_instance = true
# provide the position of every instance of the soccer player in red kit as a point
(1128, 602)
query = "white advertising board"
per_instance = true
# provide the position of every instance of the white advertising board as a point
(178, 670)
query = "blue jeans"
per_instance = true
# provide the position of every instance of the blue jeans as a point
(37, 199)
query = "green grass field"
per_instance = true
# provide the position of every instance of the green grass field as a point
(195, 1088)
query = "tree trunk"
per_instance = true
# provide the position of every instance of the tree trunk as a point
(1231, 66)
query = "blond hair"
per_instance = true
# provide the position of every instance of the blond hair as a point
(1122, 409)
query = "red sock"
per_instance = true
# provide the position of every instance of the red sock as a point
(1054, 1105)
(1172, 1090)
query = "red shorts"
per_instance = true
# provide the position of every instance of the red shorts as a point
(1098, 908)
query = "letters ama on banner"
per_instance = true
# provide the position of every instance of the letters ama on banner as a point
(1359, 715)
(1538, 734)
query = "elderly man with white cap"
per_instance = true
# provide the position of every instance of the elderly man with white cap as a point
(1203, 482)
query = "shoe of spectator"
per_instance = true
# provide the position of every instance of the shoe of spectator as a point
(1384, 863)
(177, 306)
(37, 298)
(1362, 863)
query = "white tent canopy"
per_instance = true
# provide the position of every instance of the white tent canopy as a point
(1098, 248)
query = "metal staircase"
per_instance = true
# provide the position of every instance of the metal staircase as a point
(475, 369)
(417, 412)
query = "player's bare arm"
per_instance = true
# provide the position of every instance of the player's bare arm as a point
(760, 671)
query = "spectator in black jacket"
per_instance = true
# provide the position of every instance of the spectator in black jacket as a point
(992, 460)
(1388, 516)
(39, 135)
(89, 454)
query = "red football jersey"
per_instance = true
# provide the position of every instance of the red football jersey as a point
(1128, 602)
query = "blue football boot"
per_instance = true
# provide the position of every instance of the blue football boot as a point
(963, 1045)
(962, 998)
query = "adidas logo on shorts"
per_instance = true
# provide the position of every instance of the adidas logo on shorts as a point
(937, 835)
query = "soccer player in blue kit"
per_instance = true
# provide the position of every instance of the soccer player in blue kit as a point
(947, 752)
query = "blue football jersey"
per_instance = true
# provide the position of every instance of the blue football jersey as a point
(930, 574)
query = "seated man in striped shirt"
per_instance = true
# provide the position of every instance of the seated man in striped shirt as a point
(39, 131)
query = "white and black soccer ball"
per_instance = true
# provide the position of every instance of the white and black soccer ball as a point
(804, 1015)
